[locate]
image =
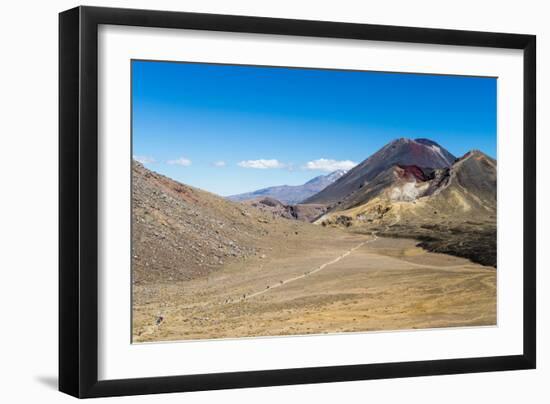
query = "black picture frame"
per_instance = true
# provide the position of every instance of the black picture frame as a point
(78, 201)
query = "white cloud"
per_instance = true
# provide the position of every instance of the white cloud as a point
(329, 165)
(261, 164)
(182, 161)
(144, 159)
(220, 163)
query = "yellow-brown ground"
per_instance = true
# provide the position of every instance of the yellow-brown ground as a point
(334, 282)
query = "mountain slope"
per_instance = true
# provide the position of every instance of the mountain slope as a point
(418, 152)
(180, 232)
(303, 212)
(292, 194)
(451, 210)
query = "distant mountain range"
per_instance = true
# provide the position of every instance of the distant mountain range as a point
(292, 194)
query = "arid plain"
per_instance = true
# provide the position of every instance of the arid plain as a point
(329, 284)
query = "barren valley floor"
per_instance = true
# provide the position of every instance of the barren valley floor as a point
(337, 282)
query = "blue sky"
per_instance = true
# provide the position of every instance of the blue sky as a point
(233, 129)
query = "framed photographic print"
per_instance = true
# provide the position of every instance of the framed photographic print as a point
(250, 201)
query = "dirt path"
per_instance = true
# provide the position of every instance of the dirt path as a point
(308, 273)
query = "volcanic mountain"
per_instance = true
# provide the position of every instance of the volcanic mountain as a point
(451, 209)
(292, 194)
(406, 152)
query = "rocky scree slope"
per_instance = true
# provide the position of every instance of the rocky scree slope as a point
(180, 232)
